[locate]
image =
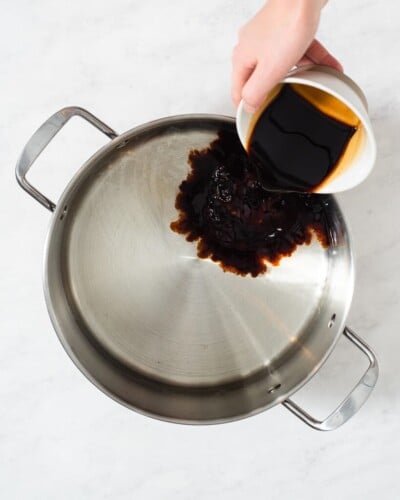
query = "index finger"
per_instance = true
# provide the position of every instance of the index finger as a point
(241, 72)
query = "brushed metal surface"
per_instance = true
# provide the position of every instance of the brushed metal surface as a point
(161, 330)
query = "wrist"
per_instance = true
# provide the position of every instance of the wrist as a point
(308, 12)
(309, 7)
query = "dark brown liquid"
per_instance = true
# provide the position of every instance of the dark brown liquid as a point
(294, 145)
(234, 220)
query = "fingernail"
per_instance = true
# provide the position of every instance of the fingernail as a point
(248, 108)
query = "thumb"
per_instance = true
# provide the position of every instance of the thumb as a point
(320, 55)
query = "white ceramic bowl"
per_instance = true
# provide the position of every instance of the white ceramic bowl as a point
(346, 90)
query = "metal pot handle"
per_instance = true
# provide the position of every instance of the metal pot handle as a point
(42, 137)
(353, 402)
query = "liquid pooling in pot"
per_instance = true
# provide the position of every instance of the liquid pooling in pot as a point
(234, 220)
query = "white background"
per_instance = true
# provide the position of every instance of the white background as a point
(129, 62)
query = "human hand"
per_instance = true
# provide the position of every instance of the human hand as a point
(278, 37)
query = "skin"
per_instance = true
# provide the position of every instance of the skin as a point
(280, 36)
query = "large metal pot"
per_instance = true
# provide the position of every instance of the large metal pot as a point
(162, 331)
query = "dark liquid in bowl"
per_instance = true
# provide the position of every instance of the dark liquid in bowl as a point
(236, 223)
(294, 145)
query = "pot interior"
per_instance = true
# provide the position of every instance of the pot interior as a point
(161, 330)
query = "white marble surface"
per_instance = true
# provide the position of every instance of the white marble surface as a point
(129, 62)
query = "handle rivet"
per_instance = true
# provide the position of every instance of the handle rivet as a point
(332, 320)
(274, 388)
(64, 212)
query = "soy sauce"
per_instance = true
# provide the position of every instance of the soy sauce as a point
(294, 145)
(237, 223)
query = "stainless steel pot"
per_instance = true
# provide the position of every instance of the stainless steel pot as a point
(162, 331)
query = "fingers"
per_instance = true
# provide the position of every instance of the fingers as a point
(241, 71)
(251, 81)
(258, 85)
(304, 61)
(318, 54)
(240, 75)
